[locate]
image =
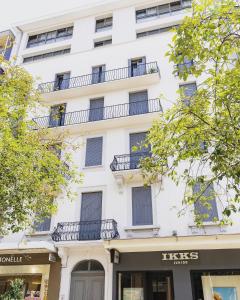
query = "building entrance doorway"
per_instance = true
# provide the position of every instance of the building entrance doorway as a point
(87, 281)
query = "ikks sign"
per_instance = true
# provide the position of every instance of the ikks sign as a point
(180, 257)
(14, 259)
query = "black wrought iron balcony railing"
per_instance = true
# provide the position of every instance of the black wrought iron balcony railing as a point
(126, 162)
(86, 230)
(100, 77)
(98, 114)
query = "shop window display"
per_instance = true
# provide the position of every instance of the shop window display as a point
(145, 286)
(31, 285)
(216, 285)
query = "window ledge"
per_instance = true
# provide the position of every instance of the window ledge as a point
(92, 167)
(38, 233)
(215, 225)
(142, 230)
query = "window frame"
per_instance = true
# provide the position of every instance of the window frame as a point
(42, 38)
(105, 26)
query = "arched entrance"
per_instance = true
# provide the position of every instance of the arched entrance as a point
(87, 281)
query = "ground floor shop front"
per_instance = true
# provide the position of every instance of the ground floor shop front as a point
(178, 275)
(40, 273)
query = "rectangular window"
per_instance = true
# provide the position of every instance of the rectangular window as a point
(185, 66)
(57, 115)
(205, 204)
(96, 111)
(98, 74)
(94, 151)
(137, 140)
(44, 225)
(102, 43)
(62, 81)
(157, 11)
(138, 103)
(189, 89)
(137, 66)
(142, 206)
(91, 215)
(216, 284)
(145, 285)
(46, 55)
(50, 37)
(104, 24)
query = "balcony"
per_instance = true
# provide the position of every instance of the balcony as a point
(126, 77)
(99, 114)
(126, 162)
(6, 43)
(126, 167)
(86, 231)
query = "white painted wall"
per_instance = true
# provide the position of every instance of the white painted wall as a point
(167, 199)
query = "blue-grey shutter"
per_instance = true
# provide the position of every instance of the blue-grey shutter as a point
(137, 139)
(142, 66)
(66, 81)
(94, 152)
(57, 115)
(98, 74)
(129, 68)
(208, 196)
(142, 206)
(138, 103)
(91, 215)
(189, 90)
(44, 225)
(96, 109)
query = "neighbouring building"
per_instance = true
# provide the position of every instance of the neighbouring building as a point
(103, 68)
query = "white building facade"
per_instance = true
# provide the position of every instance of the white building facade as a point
(105, 77)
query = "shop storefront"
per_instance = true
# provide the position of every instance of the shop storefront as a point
(40, 273)
(178, 275)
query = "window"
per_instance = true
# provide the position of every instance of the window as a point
(156, 11)
(94, 151)
(145, 285)
(46, 55)
(153, 32)
(50, 37)
(142, 206)
(137, 66)
(96, 111)
(62, 81)
(43, 225)
(137, 140)
(57, 115)
(215, 284)
(205, 204)
(185, 66)
(98, 74)
(91, 215)
(104, 24)
(88, 265)
(138, 103)
(102, 43)
(189, 90)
